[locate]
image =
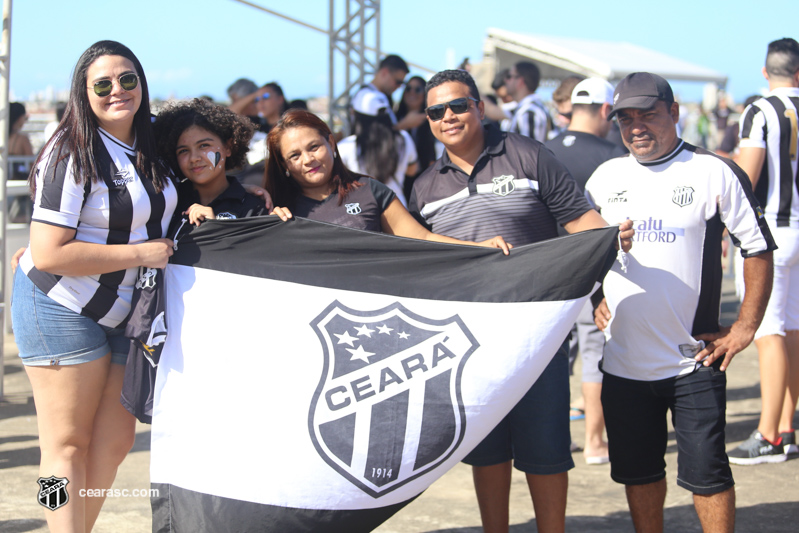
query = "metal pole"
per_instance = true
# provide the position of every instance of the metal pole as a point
(5, 62)
(331, 71)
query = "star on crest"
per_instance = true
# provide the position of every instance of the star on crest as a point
(364, 330)
(359, 353)
(403, 335)
(384, 329)
(346, 338)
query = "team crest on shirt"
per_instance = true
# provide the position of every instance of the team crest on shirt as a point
(569, 140)
(53, 492)
(225, 216)
(388, 406)
(146, 278)
(503, 185)
(683, 196)
(353, 209)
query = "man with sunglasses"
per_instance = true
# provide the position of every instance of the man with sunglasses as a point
(505, 183)
(390, 76)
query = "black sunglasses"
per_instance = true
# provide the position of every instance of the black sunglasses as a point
(459, 106)
(418, 89)
(127, 81)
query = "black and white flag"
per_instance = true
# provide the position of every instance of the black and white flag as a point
(318, 378)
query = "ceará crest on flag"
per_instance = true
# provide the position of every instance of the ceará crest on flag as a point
(388, 406)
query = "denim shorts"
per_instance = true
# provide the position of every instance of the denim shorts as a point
(535, 434)
(635, 417)
(49, 334)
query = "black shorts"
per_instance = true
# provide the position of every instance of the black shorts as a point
(635, 417)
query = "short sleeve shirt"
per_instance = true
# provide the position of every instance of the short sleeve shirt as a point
(361, 209)
(671, 292)
(118, 208)
(517, 189)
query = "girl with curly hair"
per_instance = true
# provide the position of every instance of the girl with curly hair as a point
(201, 140)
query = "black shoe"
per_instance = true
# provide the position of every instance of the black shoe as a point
(756, 450)
(789, 443)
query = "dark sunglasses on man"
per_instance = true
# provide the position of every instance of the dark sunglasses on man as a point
(458, 106)
(128, 82)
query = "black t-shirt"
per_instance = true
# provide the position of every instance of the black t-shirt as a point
(581, 153)
(234, 202)
(361, 209)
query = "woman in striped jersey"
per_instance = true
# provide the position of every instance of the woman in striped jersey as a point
(102, 203)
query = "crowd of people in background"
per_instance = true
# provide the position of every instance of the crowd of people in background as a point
(569, 163)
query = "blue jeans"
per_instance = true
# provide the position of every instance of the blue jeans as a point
(49, 334)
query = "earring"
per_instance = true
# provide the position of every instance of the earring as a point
(287, 173)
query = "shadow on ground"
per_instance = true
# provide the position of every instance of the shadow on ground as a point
(780, 518)
(22, 525)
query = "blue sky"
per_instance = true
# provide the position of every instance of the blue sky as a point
(193, 47)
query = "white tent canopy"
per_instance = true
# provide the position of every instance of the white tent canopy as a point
(560, 57)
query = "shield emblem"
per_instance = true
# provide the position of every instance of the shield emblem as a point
(53, 492)
(683, 196)
(388, 406)
(353, 209)
(503, 185)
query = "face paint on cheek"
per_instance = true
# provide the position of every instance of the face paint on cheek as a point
(214, 157)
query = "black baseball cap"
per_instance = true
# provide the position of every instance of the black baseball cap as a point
(640, 90)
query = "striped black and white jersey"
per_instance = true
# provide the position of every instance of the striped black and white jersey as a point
(119, 208)
(530, 118)
(671, 291)
(517, 189)
(772, 123)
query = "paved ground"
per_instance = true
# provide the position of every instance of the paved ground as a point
(768, 495)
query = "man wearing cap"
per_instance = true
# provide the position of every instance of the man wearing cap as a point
(582, 148)
(389, 77)
(491, 181)
(770, 155)
(664, 346)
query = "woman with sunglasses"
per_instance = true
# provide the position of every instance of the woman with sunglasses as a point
(428, 149)
(102, 203)
(306, 177)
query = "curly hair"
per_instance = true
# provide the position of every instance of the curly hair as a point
(177, 117)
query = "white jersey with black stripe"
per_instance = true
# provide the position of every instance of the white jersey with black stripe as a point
(118, 208)
(530, 118)
(671, 291)
(772, 123)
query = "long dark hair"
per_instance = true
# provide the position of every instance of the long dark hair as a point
(378, 145)
(283, 189)
(77, 132)
(422, 136)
